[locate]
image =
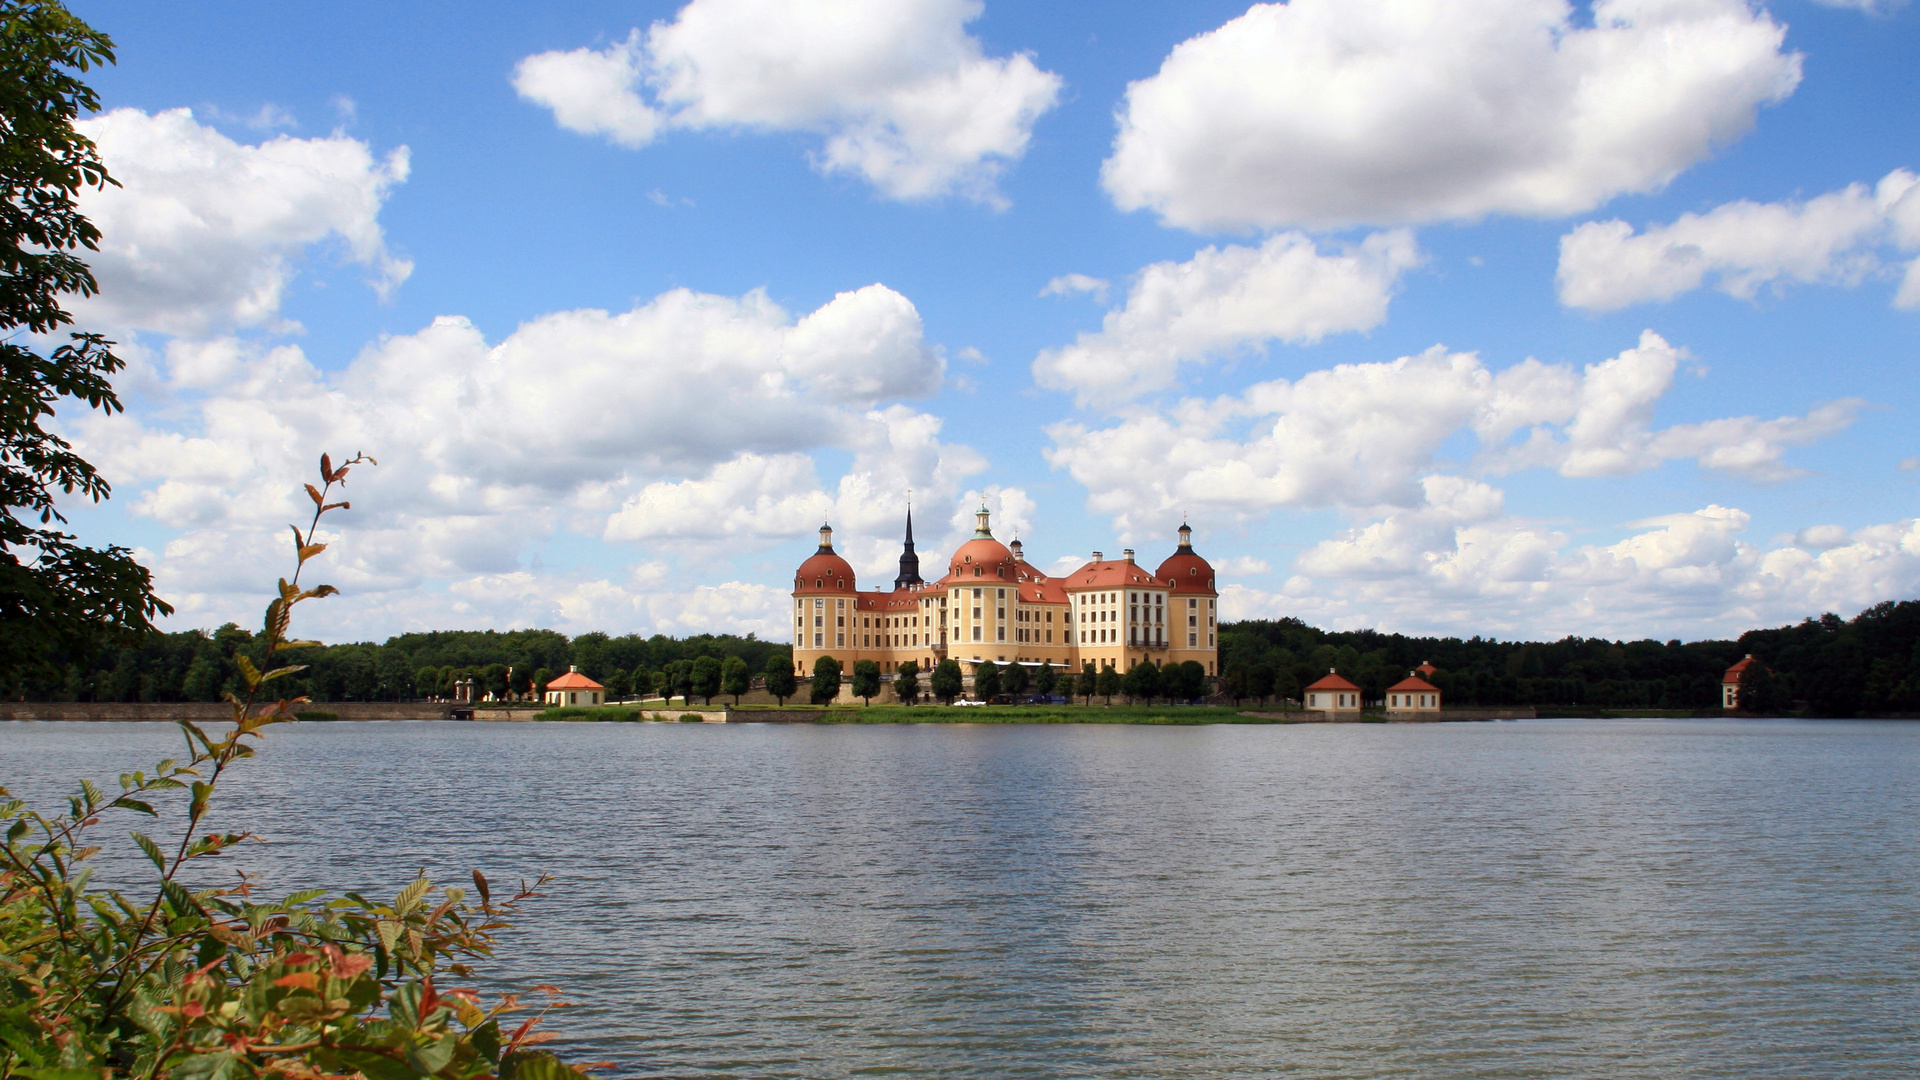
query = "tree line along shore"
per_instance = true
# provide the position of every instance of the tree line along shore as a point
(1867, 665)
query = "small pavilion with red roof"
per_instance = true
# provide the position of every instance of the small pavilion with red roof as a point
(1332, 693)
(1730, 683)
(574, 688)
(1413, 694)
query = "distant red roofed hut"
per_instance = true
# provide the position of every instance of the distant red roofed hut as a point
(574, 688)
(1413, 694)
(1333, 693)
(1730, 682)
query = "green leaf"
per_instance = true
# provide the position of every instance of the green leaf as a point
(125, 803)
(152, 849)
(409, 897)
(486, 1039)
(434, 1056)
(375, 1066)
(182, 900)
(537, 1065)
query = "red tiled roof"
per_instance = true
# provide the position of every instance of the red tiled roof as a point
(1112, 574)
(1413, 683)
(829, 569)
(989, 555)
(1188, 573)
(897, 600)
(1732, 677)
(573, 680)
(1332, 681)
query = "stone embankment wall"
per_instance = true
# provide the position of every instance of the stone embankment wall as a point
(208, 711)
(1316, 716)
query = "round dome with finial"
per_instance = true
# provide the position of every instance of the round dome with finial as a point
(824, 571)
(982, 556)
(1185, 569)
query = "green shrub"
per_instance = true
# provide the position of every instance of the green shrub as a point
(605, 713)
(211, 984)
(316, 716)
(692, 718)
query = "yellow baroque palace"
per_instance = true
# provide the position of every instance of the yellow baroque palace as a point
(994, 605)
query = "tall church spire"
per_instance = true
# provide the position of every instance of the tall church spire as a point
(909, 562)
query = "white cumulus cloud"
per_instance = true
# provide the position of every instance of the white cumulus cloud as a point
(1360, 436)
(1073, 284)
(204, 234)
(1837, 238)
(901, 94)
(1224, 301)
(1327, 113)
(1437, 567)
(583, 422)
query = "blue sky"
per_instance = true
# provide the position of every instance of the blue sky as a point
(1507, 316)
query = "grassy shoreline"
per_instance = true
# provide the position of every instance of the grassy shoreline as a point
(931, 714)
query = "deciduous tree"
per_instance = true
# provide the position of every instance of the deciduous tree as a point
(947, 681)
(58, 599)
(986, 680)
(826, 680)
(866, 680)
(706, 678)
(1013, 680)
(734, 679)
(906, 682)
(780, 681)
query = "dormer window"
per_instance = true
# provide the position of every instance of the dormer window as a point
(817, 583)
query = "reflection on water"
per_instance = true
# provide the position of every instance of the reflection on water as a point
(1663, 899)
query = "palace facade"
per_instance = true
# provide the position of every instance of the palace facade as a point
(994, 605)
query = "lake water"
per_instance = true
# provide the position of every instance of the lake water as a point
(1538, 899)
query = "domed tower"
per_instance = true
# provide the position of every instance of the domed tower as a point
(1195, 602)
(982, 587)
(823, 601)
(982, 556)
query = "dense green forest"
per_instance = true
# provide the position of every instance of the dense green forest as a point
(195, 665)
(1826, 666)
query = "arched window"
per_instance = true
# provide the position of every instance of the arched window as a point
(816, 583)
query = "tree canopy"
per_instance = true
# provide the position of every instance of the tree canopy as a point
(59, 600)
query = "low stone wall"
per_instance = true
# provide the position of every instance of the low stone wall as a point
(211, 711)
